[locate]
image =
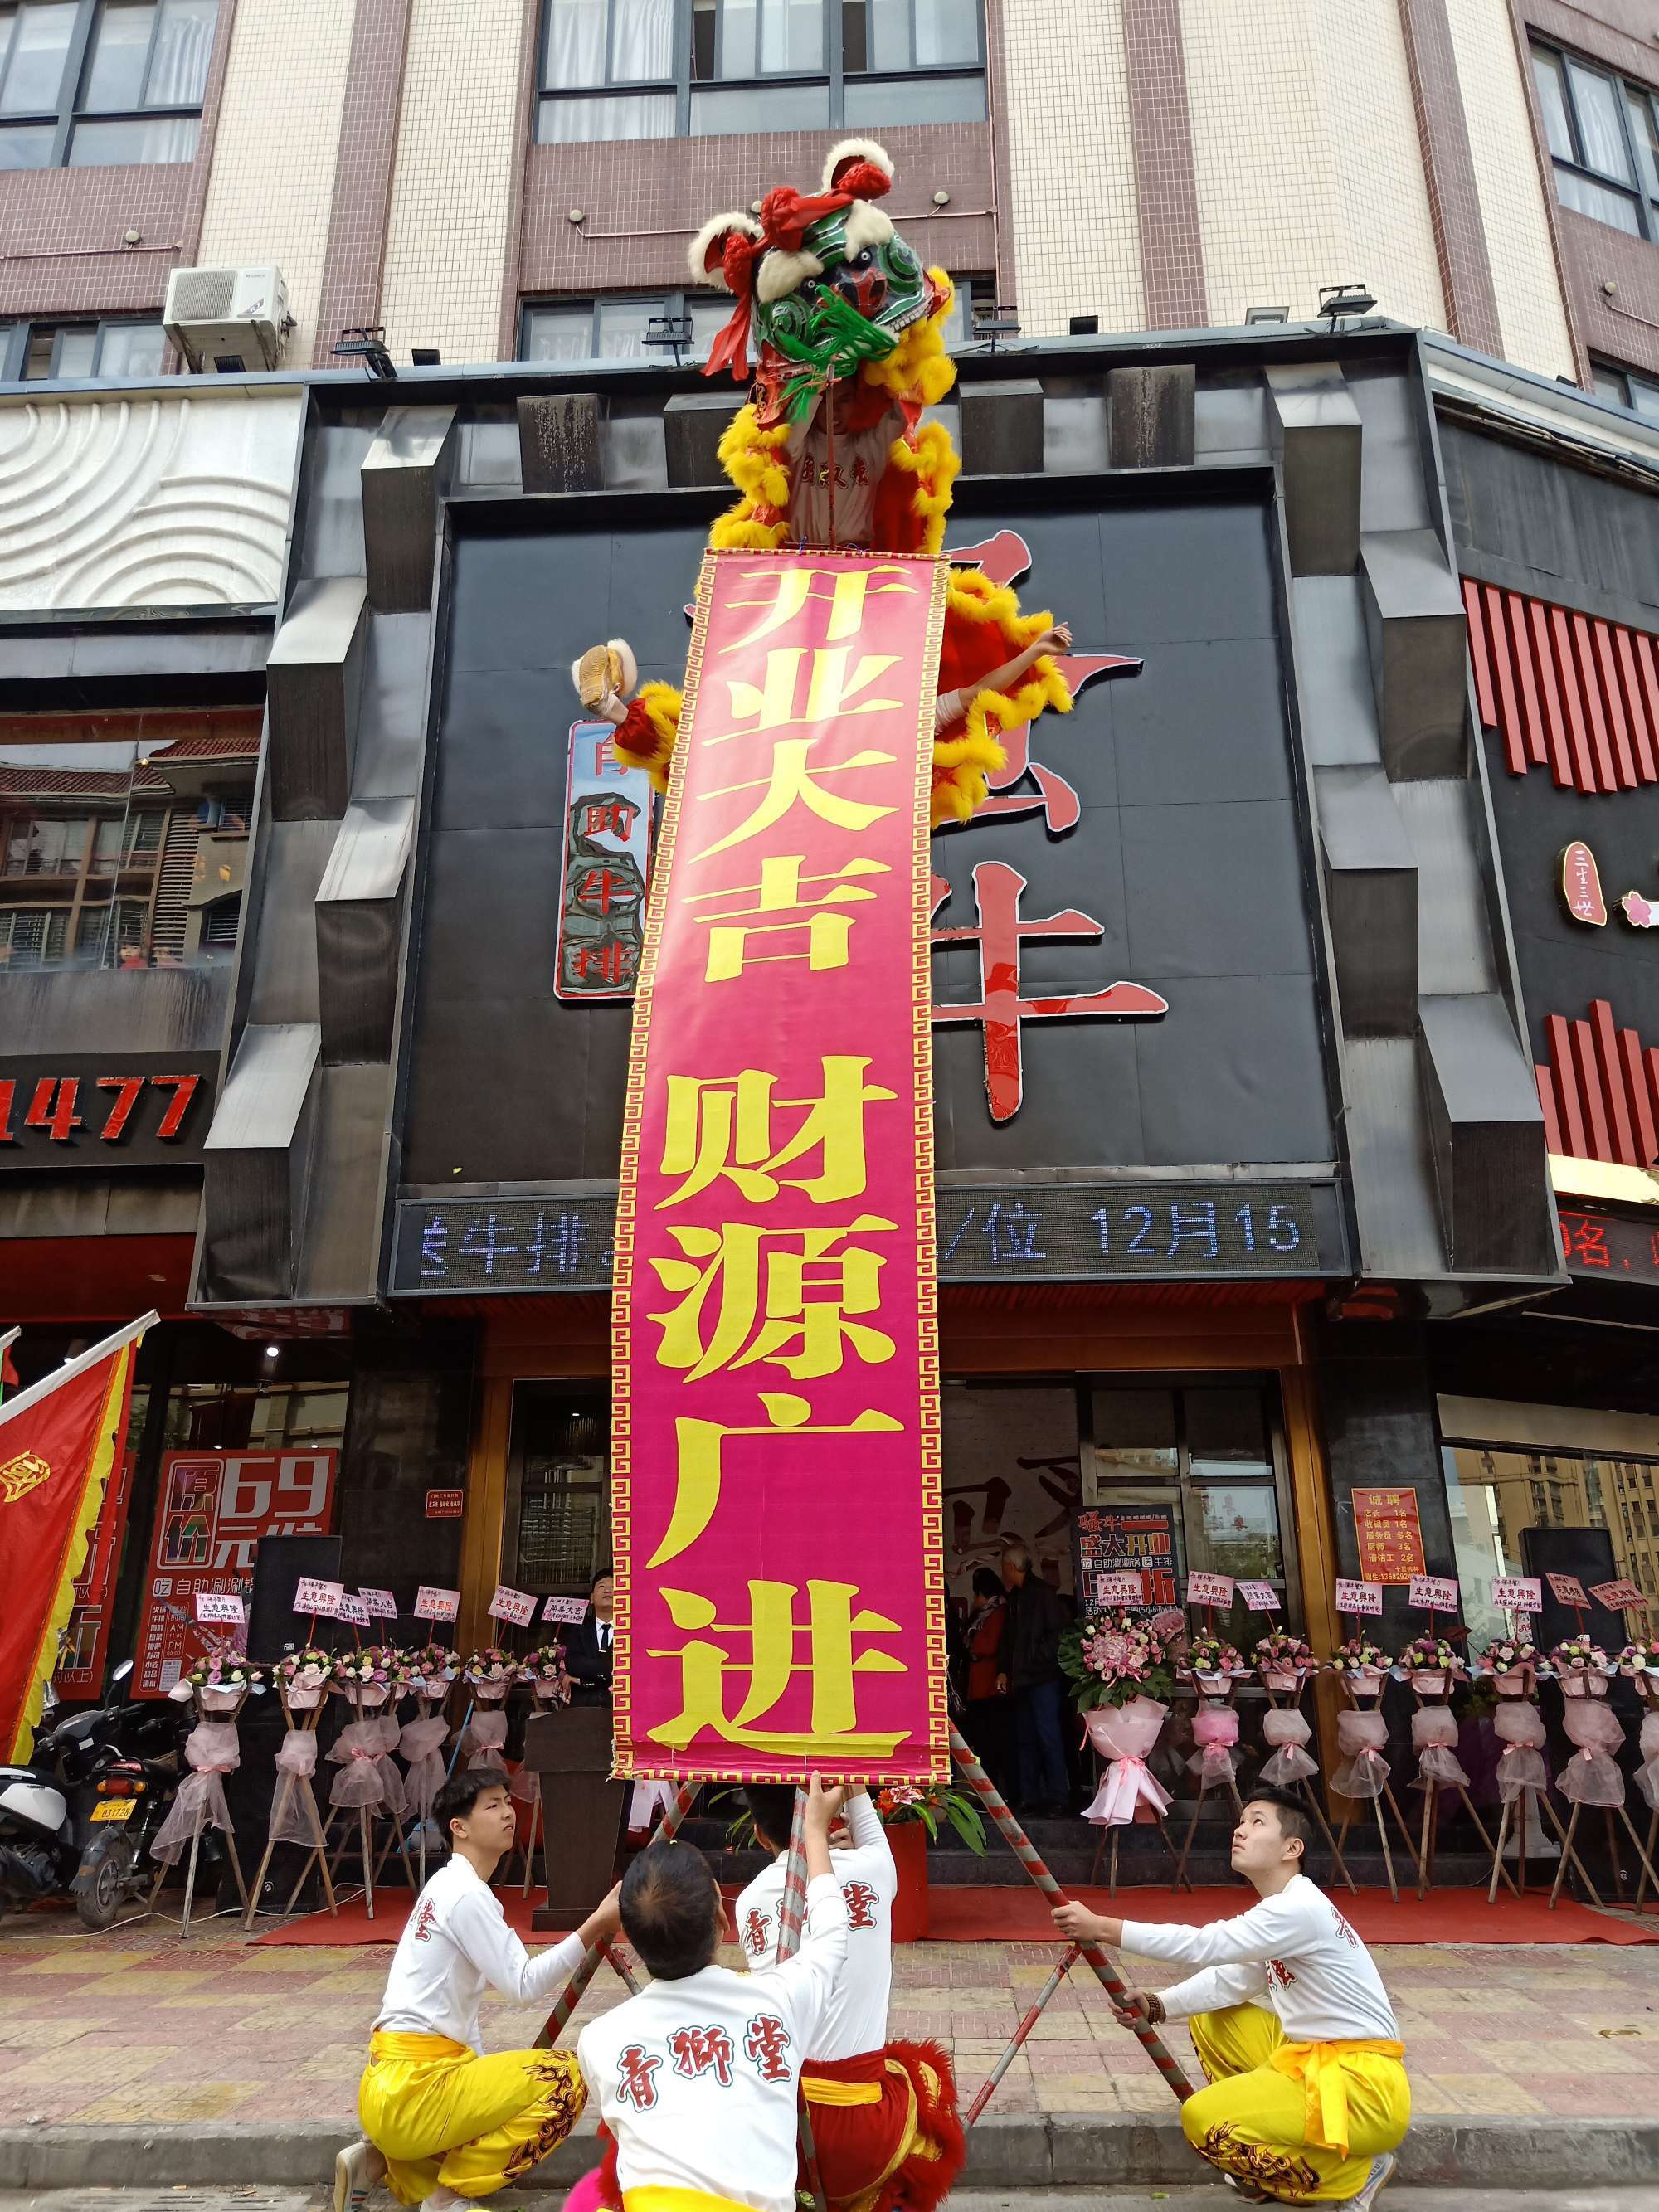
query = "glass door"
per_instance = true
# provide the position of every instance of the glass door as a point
(555, 1533)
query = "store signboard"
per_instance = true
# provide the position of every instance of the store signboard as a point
(66, 1111)
(1605, 1247)
(212, 1510)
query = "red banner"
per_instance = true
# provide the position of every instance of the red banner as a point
(57, 1444)
(81, 1669)
(212, 1508)
(779, 1589)
(1390, 1535)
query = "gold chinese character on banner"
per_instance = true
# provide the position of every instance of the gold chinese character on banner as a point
(779, 891)
(700, 1445)
(792, 778)
(796, 586)
(780, 1294)
(719, 1126)
(710, 1671)
(780, 700)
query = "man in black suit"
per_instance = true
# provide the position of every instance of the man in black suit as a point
(590, 1649)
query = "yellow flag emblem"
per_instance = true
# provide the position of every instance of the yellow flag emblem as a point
(20, 1475)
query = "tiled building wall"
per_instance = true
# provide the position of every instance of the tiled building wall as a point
(447, 247)
(279, 130)
(1513, 209)
(1077, 245)
(1301, 182)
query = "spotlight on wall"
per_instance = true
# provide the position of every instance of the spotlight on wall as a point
(1267, 315)
(271, 1350)
(669, 334)
(994, 324)
(1340, 301)
(1085, 326)
(425, 357)
(576, 214)
(941, 199)
(368, 346)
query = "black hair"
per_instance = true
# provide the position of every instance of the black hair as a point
(668, 1897)
(1294, 1824)
(600, 1575)
(987, 1583)
(773, 1806)
(455, 1801)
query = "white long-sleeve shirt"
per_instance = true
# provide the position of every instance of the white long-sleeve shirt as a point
(1294, 1949)
(857, 2018)
(456, 1943)
(697, 2079)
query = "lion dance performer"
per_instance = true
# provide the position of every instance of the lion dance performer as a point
(885, 2120)
(831, 451)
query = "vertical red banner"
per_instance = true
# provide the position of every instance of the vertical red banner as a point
(775, 1453)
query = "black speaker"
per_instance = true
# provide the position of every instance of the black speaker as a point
(1586, 1554)
(278, 1567)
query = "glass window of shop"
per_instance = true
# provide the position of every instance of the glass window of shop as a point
(1497, 1492)
(123, 838)
(1195, 1476)
(555, 1532)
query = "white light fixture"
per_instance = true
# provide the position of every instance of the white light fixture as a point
(577, 214)
(941, 199)
(271, 1350)
(1267, 315)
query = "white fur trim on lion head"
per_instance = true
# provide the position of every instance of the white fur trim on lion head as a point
(780, 273)
(867, 226)
(704, 255)
(852, 151)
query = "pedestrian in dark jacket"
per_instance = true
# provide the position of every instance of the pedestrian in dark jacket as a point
(1035, 1624)
(985, 1676)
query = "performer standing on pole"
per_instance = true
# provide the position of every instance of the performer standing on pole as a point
(885, 2116)
(697, 2078)
(444, 2124)
(1307, 2099)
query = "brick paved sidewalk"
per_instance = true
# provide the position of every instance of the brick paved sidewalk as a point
(132, 2026)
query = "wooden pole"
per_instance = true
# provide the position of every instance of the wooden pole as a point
(792, 1918)
(1099, 1960)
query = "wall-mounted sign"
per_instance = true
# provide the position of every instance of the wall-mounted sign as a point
(1390, 1535)
(606, 868)
(1607, 1244)
(145, 1109)
(212, 1508)
(1052, 1232)
(1581, 885)
(445, 1505)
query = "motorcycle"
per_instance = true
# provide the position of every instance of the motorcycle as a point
(76, 1821)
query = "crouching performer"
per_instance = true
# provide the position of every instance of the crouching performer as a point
(1308, 2100)
(697, 2077)
(443, 2123)
(885, 2120)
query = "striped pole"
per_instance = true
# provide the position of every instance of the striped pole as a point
(1020, 2034)
(571, 1995)
(1025, 1851)
(792, 1919)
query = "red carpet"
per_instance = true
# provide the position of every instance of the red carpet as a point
(1011, 1915)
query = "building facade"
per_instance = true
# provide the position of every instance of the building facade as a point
(310, 1036)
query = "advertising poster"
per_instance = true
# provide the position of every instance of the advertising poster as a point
(211, 1510)
(1119, 1538)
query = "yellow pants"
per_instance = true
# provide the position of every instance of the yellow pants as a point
(438, 2114)
(1273, 2113)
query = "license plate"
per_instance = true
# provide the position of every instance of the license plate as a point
(115, 1808)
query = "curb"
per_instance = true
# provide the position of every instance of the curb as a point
(1010, 2151)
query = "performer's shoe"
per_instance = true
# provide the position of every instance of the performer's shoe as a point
(357, 2169)
(1381, 2172)
(444, 2200)
(1248, 2191)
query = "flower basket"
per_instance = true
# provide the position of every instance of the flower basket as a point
(1514, 1682)
(1112, 1659)
(1362, 1666)
(491, 1673)
(1429, 1681)
(1581, 1668)
(303, 1677)
(1276, 1678)
(908, 1839)
(1367, 1681)
(220, 1700)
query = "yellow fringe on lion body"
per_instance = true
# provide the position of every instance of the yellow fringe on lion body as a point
(662, 703)
(964, 766)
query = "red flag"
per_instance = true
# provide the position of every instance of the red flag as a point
(58, 1441)
(9, 1378)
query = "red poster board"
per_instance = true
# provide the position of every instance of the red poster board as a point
(211, 1510)
(1390, 1535)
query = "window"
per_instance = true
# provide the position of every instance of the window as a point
(1603, 136)
(660, 68)
(38, 352)
(615, 328)
(1495, 1496)
(87, 83)
(118, 851)
(1627, 387)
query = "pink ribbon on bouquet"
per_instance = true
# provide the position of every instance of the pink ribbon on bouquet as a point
(1289, 1732)
(1360, 1737)
(1592, 1776)
(356, 1751)
(212, 1750)
(1521, 1764)
(1434, 1732)
(1215, 1731)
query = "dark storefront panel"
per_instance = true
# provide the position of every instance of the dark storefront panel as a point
(1185, 850)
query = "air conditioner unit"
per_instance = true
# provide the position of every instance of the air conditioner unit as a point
(228, 320)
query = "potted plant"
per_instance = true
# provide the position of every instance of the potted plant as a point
(1512, 1662)
(910, 1813)
(1282, 1659)
(1429, 1663)
(1122, 1677)
(1581, 1667)
(303, 1675)
(1364, 1667)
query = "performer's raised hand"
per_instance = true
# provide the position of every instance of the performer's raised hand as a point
(1057, 640)
(823, 1802)
(605, 1920)
(1138, 2009)
(1079, 1925)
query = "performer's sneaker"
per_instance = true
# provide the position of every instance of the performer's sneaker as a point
(1376, 2181)
(1248, 2191)
(357, 2169)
